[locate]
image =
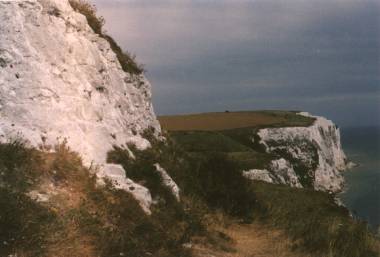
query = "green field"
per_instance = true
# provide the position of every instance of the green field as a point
(217, 121)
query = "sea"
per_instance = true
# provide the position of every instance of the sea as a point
(362, 193)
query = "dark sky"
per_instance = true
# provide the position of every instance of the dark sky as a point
(321, 56)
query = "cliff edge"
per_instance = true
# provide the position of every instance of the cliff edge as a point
(315, 152)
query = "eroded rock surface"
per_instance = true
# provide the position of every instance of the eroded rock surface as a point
(61, 81)
(315, 152)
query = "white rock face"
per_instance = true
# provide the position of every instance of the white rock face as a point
(323, 136)
(59, 80)
(284, 172)
(168, 181)
(262, 175)
(38, 197)
(280, 172)
(116, 174)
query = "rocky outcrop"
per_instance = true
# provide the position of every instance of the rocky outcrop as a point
(257, 174)
(61, 81)
(167, 181)
(279, 172)
(315, 153)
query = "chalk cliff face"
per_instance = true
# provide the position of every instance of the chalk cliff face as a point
(59, 80)
(315, 154)
(279, 172)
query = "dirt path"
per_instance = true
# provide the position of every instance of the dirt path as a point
(252, 240)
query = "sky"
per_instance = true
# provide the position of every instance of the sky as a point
(321, 56)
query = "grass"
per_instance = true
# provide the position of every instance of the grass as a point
(22, 220)
(233, 120)
(217, 180)
(235, 133)
(251, 160)
(213, 178)
(79, 214)
(82, 219)
(245, 136)
(89, 11)
(201, 141)
(126, 60)
(23, 223)
(314, 221)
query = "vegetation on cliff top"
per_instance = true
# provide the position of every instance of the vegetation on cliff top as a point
(233, 120)
(126, 59)
(235, 134)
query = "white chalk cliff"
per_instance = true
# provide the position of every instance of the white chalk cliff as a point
(60, 80)
(279, 171)
(317, 149)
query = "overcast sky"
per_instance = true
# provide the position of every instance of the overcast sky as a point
(320, 56)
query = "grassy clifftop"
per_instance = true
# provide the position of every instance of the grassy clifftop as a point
(233, 120)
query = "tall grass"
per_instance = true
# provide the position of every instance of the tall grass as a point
(82, 219)
(314, 221)
(79, 218)
(22, 220)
